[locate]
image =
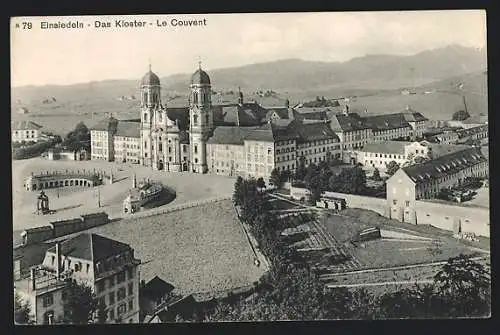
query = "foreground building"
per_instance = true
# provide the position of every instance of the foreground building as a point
(106, 265)
(424, 181)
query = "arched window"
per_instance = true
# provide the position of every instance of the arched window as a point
(145, 117)
(169, 149)
(195, 149)
(195, 120)
(160, 117)
(207, 119)
(195, 97)
(146, 97)
(160, 147)
(145, 145)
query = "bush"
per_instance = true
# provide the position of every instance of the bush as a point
(31, 150)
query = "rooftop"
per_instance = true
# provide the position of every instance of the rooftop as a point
(107, 124)
(128, 129)
(26, 125)
(387, 147)
(157, 287)
(91, 247)
(444, 165)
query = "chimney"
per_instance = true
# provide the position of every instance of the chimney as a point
(287, 103)
(58, 261)
(32, 279)
(291, 115)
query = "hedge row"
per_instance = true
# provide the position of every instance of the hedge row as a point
(31, 150)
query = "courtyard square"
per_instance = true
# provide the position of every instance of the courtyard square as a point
(74, 202)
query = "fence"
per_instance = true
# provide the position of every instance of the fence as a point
(161, 211)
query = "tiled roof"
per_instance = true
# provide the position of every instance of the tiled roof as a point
(444, 165)
(341, 122)
(248, 114)
(157, 287)
(31, 254)
(387, 147)
(91, 247)
(108, 124)
(470, 131)
(227, 135)
(313, 115)
(26, 125)
(413, 116)
(386, 121)
(306, 132)
(439, 150)
(128, 129)
(281, 112)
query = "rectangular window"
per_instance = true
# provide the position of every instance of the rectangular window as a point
(394, 202)
(48, 300)
(131, 289)
(130, 273)
(111, 298)
(120, 277)
(100, 286)
(131, 305)
(122, 309)
(112, 314)
(111, 281)
(407, 203)
(121, 294)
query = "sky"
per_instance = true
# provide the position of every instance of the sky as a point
(69, 56)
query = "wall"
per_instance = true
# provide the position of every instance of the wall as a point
(357, 201)
(65, 227)
(473, 219)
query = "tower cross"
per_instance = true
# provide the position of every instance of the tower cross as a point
(199, 62)
(149, 62)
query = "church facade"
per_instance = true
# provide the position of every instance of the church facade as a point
(238, 139)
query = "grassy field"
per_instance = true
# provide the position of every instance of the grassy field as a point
(197, 250)
(388, 252)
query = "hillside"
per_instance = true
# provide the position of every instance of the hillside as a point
(379, 76)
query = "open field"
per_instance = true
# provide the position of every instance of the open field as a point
(72, 203)
(199, 249)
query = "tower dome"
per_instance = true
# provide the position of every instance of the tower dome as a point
(150, 79)
(200, 77)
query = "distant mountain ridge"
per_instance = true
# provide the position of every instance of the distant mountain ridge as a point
(296, 75)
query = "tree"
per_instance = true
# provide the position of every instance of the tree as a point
(275, 178)
(22, 310)
(238, 191)
(261, 184)
(78, 138)
(352, 181)
(465, 286)
(391, 168)
(301, 170)
(79, 303)
(460, 115)
(376, 175)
